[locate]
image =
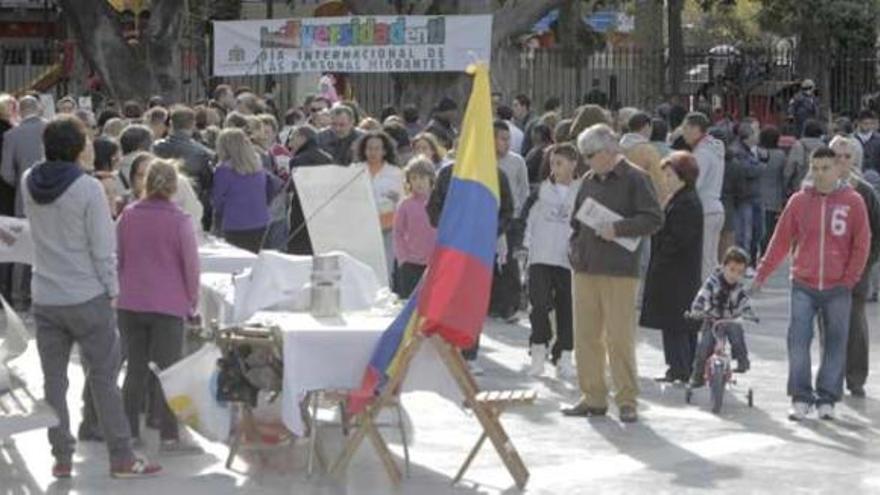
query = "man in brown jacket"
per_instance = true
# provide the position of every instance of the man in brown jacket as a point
(637, 148)
(606, 274)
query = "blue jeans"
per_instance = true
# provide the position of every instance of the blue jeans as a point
(743, 227)
(834, 306)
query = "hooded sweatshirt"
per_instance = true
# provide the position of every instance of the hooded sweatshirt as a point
(74, 239)
(548, 228)
(830, 235)
(709, 153)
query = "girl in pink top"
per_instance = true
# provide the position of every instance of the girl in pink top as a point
(414, 237)
(158, 288)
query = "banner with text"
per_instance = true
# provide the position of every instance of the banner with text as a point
(351, 44)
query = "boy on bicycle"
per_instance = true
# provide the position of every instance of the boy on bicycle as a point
(723, 296)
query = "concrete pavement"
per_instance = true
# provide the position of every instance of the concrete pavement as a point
(675, 448)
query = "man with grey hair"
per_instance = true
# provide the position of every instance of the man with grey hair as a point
(858, 344)
(23, 146)
(339, 139)
(606, 274)
(22, 149)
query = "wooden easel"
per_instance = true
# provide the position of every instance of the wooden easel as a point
(487, 413)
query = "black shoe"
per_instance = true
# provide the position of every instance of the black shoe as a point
(582, 410)
(664, 379)
(742, 366)
(857, 392)
(628, 414)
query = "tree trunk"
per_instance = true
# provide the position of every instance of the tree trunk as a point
(676, 46)
(649, 40)
(152, 67)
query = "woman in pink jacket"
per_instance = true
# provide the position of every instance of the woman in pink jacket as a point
(159, 283)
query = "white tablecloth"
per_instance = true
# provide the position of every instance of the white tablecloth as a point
(333, 354)
(216, 298)
(218, 256)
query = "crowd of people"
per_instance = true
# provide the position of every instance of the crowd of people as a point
(118, 203)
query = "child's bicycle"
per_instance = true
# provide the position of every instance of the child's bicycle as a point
(717, 371)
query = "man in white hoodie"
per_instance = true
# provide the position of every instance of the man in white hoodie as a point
(710, 158)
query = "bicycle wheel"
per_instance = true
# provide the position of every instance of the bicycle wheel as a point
(716, 387)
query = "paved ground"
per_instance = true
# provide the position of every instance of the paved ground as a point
(675, 448)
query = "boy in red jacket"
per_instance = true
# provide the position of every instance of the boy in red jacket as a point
(827, 225)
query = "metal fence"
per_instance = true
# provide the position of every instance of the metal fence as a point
(748, 79)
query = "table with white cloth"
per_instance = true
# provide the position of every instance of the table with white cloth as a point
(333, 354)
(218, 256)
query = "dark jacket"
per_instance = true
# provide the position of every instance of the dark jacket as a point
(339, 148)
(441, 188)
(674, 273)
(870, 152)
(310, 154)
(750, 167)
(7, 191)
(872, 204)
(443, 131)
(198, 165)
(534, 160)
(307, 156)
(626, 190)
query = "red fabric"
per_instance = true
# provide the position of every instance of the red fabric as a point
(829, 251)
(454, 299)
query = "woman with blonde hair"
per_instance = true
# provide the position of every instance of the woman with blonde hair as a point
(158, 288)
(427, 144)
(242, 191)
(586, 117)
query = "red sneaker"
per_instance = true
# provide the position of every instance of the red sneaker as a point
(62, 470)
(136, 468)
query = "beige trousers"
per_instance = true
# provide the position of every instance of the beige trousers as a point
(605, 326)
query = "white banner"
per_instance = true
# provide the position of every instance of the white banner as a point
(351, 44)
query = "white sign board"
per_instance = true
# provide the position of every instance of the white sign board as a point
(351, 44)
(341, 213)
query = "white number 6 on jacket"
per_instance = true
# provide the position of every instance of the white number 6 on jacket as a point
(838, 221)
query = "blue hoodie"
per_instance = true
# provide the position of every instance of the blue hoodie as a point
(48, 180)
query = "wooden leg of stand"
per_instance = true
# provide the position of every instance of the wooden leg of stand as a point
(357, 436)
(488, 420)
(382, 450)
(470, 458)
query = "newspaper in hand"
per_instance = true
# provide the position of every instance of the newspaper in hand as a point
(594, 215)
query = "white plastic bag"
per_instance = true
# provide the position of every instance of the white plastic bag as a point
(190, 387)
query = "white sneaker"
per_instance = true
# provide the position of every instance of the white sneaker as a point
(565, 369)
(799, 411)
(475, 368)
(539, 355)
(826, 412)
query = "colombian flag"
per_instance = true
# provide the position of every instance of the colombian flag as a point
(453, 297)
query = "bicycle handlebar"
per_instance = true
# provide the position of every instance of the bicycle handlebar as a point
(715, 320)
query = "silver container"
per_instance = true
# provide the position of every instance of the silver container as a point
(326, 286)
